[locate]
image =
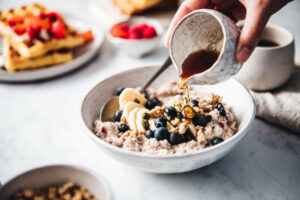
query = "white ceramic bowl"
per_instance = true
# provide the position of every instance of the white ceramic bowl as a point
(236, 96)
(56, 175)
(139, 47)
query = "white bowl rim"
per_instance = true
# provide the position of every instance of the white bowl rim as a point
(158, 27)
(93, 173)
(283, 30)
(145, 155)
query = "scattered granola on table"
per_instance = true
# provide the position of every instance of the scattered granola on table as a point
(166, 123)
(68, 191)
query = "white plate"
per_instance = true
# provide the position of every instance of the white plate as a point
(81, 54)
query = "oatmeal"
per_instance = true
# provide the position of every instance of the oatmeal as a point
(167, 123)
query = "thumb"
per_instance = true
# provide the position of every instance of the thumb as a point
(256, 18)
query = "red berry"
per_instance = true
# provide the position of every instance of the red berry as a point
(53, 16)
(135, 33)
(58, 29)
(42, 15)
(124, 27)
(117, 31)
(134, 36)
(142, 26)
(11, 23)
(33, 32)
(18, 30)
(149, 32)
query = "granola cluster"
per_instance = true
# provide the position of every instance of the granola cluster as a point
(68, 191)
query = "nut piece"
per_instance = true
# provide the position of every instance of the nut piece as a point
(156, 112)
(183, 127)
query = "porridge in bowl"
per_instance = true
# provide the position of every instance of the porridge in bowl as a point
(166, 122)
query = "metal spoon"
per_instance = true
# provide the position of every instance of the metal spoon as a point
(112, 105)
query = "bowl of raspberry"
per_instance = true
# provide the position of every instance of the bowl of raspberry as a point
(136, 36)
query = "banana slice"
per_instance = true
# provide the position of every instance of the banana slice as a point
(130, 94)
(129, 106)
(139, 120)
(132, 119)
(152, 124)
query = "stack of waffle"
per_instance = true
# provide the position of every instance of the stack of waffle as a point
(35, 37)
(131, 7)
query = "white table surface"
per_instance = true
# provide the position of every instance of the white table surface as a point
(40, 124)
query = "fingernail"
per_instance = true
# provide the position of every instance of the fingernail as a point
(243, 54)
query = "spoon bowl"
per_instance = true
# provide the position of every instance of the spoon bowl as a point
(112, 105)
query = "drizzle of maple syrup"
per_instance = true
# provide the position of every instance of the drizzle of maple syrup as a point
(197, 62)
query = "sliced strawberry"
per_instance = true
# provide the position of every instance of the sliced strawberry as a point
(149, 32)
(33, 32)
(88, 36)
(58, 29)
(117, 31)
(18, 30)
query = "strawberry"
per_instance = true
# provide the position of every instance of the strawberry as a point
(117, 31)
(58, 29)
(18, 30)
(149, 32)
(33, 31)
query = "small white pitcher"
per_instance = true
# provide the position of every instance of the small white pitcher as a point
(206, 29)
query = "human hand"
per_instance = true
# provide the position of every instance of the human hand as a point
(255, 12)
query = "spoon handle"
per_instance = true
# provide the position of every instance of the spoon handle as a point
(166, 64)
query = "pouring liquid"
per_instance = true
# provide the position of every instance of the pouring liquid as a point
(197, 62)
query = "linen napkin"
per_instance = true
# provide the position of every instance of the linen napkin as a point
(282, 105)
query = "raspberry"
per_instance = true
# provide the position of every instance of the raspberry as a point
(135, 33)
(149, 32)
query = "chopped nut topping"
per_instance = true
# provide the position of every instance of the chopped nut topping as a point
(68, 191)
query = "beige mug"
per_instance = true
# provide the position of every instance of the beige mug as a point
(270, 66)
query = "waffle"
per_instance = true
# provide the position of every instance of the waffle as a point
(135, 6)
(13, 61)
(36, 47)
(131, 7)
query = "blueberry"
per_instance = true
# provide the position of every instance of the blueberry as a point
(217, 140)
(118, 115)
(175, 138)
(200, 120)
(149, 134)
(208, 118)
(160, 122)
(151, 103)
(188, 136)
(120, 90)
(170, 113)
(221, 109)
(123, 127)
(161, 133)
(195, 102)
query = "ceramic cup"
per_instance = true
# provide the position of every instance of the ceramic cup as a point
(269, 67)
(201, 30)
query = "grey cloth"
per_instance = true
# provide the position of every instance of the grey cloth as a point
(282, 105)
